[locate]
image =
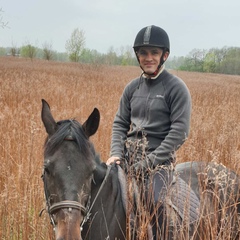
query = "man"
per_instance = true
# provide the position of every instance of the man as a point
(156, 105)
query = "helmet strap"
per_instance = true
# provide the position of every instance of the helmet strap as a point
(162, 57)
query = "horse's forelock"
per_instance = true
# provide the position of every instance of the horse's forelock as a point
(73, 128)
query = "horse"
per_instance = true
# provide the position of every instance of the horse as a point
(84, 197)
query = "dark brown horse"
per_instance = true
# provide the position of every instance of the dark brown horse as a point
(84, 198)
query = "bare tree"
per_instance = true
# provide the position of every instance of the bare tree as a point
(2, 23)
(75, 45)
(15, 51)
(47, 51)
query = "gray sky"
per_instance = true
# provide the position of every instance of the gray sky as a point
(200, 24)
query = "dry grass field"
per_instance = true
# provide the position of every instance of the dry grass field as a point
(73, 90)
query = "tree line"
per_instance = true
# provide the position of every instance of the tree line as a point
(225, 60)
(112, 57)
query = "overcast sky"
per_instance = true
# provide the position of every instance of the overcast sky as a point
(201, 24)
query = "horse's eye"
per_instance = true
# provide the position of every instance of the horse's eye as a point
(46, 166)
(46, 170)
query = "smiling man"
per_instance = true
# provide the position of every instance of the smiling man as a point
(156, 105)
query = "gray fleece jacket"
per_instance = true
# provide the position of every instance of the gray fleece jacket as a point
(160, 108)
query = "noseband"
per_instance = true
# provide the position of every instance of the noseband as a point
(67, 204)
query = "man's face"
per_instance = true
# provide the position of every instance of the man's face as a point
(149, 58)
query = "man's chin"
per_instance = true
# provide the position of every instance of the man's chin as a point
(149, 72)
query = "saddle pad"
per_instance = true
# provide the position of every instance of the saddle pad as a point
(184, 200)
(123, 185)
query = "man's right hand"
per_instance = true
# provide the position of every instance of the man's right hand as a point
(112, 160)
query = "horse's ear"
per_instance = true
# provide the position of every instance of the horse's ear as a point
(92, 123)
(47, 118)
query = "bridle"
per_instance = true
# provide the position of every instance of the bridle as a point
(67, 204)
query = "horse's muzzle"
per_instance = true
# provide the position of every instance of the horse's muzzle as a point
(68, 224)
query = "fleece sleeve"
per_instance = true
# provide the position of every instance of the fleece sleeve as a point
(121, 124)
(179, 102)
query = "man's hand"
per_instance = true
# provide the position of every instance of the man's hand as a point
(112, 160)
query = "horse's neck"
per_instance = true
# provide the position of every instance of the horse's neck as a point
(99, 175)
(107, 207)
(105, 183)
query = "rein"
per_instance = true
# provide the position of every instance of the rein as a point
(87, 216)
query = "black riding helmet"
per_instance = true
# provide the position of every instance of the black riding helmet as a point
(152, 36)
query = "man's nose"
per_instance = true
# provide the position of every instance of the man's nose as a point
(149, 55)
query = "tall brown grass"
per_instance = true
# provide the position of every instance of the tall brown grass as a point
(74, 90)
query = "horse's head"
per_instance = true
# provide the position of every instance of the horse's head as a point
(68, 170)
